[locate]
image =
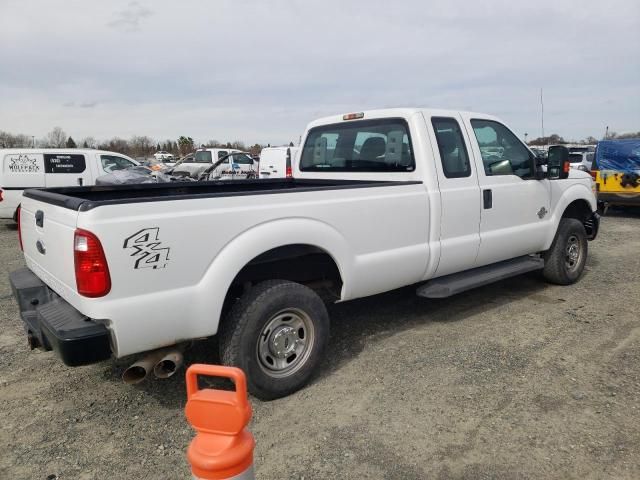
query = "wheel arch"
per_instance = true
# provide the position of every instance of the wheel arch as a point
(274, 242)
(576, 202)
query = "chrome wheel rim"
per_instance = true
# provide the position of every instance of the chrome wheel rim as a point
(285, 342)
(573, 253)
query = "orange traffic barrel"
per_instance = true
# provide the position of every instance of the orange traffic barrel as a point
(222, 447)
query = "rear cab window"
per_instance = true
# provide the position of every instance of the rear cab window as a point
(381, 145)
(575, 158)
(201, 156)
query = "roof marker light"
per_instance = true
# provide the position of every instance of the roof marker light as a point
(353, 116)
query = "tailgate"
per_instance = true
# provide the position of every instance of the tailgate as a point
(47, 239)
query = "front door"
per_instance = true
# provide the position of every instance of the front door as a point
(514, 205)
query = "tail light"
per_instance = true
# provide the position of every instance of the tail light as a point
(92, 272)
(289, 171)
(19, 226)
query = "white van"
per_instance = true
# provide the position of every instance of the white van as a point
(22, 168)
(277, 162)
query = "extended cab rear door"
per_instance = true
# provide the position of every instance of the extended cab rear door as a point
(459, 194)
(514, 206)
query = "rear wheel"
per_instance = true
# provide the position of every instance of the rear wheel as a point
(276, 334)
(565, 260)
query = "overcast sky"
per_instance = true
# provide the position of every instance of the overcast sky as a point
(259, 71)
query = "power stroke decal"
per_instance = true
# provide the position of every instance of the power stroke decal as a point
(22, 163)
(147, 249)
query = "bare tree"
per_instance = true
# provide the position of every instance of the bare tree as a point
(9, 140)
(142, 146)
(238, 145)
(56, 138)
(89, 142)
(116, 144)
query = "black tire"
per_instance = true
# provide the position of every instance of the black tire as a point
(257, 326)
(565, 260)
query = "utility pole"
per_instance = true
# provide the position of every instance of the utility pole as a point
(33, 140)
(606, 132)
(542, 112)
(525, 137)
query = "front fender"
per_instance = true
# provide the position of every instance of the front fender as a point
(239, 251)
(561, 199)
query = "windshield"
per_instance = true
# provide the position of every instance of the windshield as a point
(202, 156)
(363, 146)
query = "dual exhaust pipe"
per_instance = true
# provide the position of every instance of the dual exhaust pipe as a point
(163, 363)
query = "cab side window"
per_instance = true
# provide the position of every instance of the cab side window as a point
(502, 152)
(453, 152)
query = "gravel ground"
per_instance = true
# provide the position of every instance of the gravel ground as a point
(514, 380)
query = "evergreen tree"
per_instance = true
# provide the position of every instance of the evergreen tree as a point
(70, 143)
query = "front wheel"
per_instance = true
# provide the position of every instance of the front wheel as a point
(565, 260)
(276, 334)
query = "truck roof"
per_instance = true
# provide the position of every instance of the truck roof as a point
(398, 112)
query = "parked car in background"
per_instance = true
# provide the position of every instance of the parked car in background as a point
(172, 163)
(202, 159)
(233, 166)
(581, 160)
(162, 155)
(277, 162)
(22, 168)
(539, 152)
(379, 200)
(616, 171)
(581, 148)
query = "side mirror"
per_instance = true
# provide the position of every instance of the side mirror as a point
(558, 164)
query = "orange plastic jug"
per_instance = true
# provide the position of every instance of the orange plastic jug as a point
(222, 447)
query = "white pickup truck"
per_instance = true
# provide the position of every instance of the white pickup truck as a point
(443, 200)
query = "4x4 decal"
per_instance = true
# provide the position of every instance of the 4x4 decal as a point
(147, 249)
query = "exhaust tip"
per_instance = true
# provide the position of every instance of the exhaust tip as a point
(134, 374)
(169, 364)
(165, 368)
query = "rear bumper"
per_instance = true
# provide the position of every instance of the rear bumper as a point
(628, 199)
(53, 324)
(592, 226)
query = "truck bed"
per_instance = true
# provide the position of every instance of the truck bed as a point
(87, 198)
